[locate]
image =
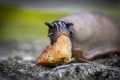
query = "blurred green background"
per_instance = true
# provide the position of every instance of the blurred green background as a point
(22, 24)
(25, 20)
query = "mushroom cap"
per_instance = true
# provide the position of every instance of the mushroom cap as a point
(58, 53)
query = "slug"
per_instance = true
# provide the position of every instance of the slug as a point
(92, 34)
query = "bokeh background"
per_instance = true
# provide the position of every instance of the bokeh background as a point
(23, 20)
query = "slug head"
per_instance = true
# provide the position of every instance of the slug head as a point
(58, 27)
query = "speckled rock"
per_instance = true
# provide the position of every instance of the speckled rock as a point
(17, 62)
(17, 69)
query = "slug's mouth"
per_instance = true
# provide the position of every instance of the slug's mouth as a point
(58, 35)
(52, 42)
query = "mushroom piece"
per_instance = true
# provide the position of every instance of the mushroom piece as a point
(57, 53)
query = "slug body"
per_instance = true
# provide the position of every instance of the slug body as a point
(93, 34)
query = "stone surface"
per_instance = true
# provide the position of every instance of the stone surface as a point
(15, 67)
